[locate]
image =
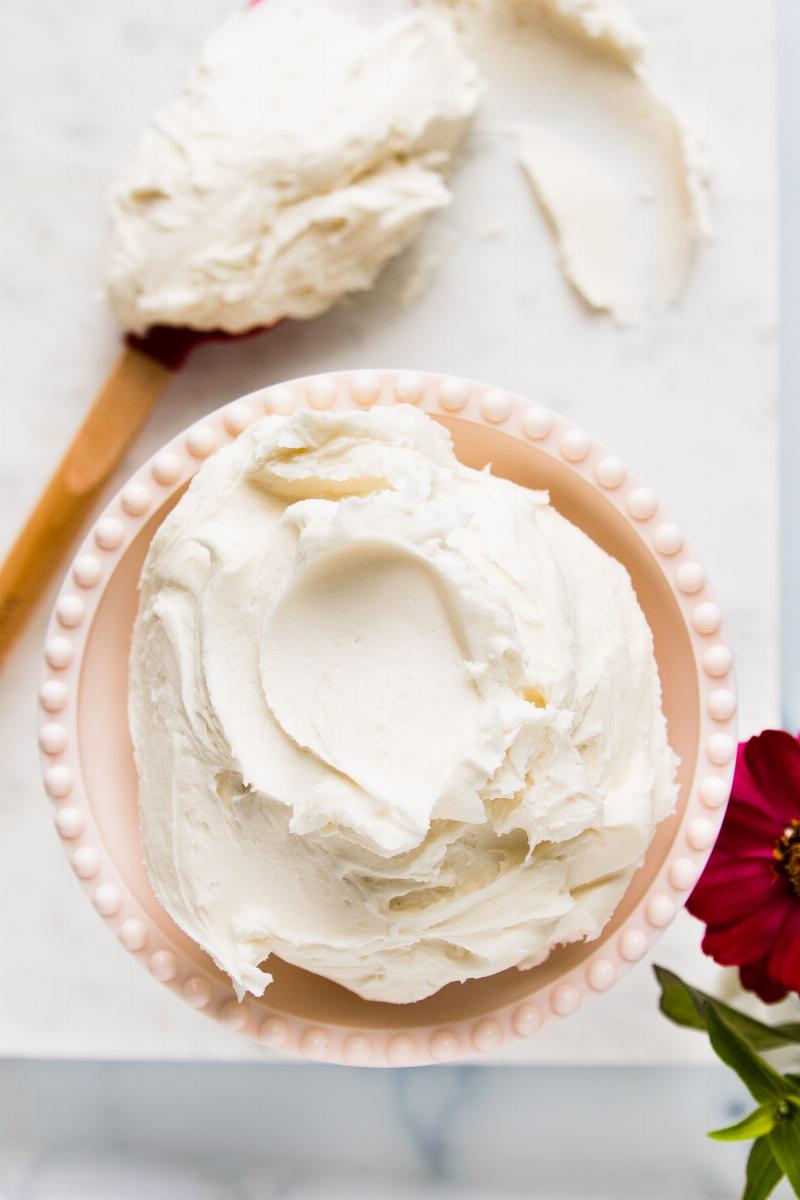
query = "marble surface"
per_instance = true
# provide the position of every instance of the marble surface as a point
(191, 1132)
(690, 401)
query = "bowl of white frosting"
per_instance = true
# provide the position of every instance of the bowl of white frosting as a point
(385, 717)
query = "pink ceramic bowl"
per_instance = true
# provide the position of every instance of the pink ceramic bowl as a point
(90, 776)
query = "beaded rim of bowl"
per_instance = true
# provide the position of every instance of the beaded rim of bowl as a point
(66, 640)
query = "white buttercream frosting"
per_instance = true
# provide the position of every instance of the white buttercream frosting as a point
(301, 155)
(622, 180)
(308, 145)
(396, 721)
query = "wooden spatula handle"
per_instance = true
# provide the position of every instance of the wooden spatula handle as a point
(114, 419)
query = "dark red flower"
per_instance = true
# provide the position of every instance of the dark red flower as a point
(749, 894)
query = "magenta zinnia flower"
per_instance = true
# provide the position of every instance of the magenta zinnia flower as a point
(749, 894)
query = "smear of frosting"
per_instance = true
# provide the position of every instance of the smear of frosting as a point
(307, 146)
(302, 154)
(621, 181)
(396, 721)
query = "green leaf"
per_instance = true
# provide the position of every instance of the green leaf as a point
(761, 1080)
(784, 1142)
(685, 1005)
(761, 1120)
(793, 1081)
(763, 1173)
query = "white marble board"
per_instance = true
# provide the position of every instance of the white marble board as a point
(688, 400)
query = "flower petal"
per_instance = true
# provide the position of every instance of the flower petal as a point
(772, 773)
(747, 828)
(748, 940)
(784, 961)
(731, 890)
(724, 871)
(746, 788)
(755, 977)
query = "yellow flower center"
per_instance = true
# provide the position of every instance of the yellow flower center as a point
(787, 854)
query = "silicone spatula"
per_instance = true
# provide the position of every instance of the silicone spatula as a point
(119, 412)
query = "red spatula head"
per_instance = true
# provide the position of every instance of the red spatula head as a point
(170, 345)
